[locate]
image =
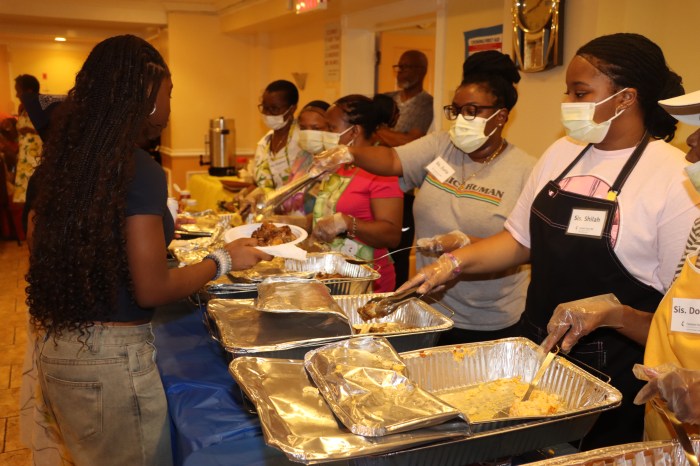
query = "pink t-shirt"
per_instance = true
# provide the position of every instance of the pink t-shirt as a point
(355, 201)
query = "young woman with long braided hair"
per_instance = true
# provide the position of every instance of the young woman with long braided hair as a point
(99, 230)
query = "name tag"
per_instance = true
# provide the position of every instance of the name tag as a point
(685, 315)
(279, 167)
(585, 222)
(440, 169)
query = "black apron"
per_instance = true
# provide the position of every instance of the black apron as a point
(566, 267)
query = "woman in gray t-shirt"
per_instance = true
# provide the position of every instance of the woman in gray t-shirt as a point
(469, 178)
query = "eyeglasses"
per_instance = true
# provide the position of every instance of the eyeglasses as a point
(272, 110)
(469, 111)
(405, 67)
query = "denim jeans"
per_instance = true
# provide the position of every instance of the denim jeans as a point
(104, 393)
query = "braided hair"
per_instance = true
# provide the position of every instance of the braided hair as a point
(368, 113)
(632, 60)
(497, 72)
(78, 258)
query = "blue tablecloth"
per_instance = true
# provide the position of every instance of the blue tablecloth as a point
(210, 424)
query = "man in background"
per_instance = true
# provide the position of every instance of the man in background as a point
(415, 118)
(415, 104)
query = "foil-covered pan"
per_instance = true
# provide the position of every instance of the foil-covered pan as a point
(364, 382)
(242, 329)
(419, 326)
(296, 419)
(488, 442)
(658, 453)
(447, 371)
(296, 295)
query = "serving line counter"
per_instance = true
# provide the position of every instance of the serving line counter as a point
(210, 424)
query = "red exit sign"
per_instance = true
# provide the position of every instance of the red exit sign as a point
(304, 6)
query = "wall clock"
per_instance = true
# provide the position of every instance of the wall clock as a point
(537, 33)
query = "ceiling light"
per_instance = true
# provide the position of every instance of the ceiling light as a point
(59, 39)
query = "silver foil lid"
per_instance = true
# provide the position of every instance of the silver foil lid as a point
(366, 385)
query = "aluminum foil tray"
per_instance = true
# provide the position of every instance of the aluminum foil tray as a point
(229, 326)
(296, 419)
(299, 422)
(659, 453)
(242, 329)
(366, 384)
(447, 369)
(356, 279)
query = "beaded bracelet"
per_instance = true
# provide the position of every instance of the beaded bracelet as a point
(222, 259)
(353, 231)
(455, 262)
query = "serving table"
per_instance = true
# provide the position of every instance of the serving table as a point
(211, 425)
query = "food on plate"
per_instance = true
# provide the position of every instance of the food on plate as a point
(268, 234)
(484, 401)
(380, 327)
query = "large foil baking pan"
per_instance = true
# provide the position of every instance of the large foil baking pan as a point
(488, 441)
(365, 383)
(449, 368)
(357, 279)
(242, 329)
(658, 453)
(296, 419)
(236, 331)
(291, 294)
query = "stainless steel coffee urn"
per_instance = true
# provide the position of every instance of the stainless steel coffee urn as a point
(221, 147)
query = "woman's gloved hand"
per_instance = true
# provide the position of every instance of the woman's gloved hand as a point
(679, 387)
(430, 277)
(443, 243)
(329, 227)
(575, 319)
(330, 159)
(251, 201)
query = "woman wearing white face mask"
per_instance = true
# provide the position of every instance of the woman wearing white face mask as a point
(277, 151)
(602, 221)
(357, 212)
(469, 180)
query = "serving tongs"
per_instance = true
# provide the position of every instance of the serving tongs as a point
(382, 306)
(677, 426)
(504, 412)
(265, 206)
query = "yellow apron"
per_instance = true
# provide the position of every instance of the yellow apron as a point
(674, 338)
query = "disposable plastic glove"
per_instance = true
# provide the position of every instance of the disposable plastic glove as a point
(433, 275)
(679, 387)
(329, 227)
(252, 200)
(443, 243)
(330, 159)
(575, 319)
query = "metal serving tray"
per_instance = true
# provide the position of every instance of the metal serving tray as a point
(451, 368)
(311, 437)
(659, 453)
(357, 279)
(243, 332)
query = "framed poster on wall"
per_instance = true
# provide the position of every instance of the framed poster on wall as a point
(478, 40)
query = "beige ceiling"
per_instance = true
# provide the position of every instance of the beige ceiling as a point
(87, 22)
